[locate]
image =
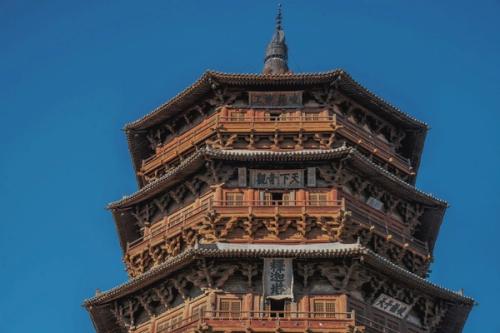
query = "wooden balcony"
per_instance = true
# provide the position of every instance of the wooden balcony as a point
(271, 208)
(180, 144)
(176, 222)
(258, 122)
(377, 221)
(171, 225)
(372, 326)
(384, 225)
(268, 321)
(289, 124)
(373, 144)
(202, 131)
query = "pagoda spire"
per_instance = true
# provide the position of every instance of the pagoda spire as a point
(276, 59)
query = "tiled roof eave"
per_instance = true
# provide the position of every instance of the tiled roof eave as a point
(351, 250)
(262, 79)
(157, 183)
(255, 155)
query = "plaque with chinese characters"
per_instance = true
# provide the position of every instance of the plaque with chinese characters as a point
(278, 278)
(392, 306)
(276, 178)
(275, 99)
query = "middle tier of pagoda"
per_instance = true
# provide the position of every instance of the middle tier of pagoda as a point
(245, 196)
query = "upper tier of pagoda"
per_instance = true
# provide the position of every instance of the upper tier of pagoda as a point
(390, 135)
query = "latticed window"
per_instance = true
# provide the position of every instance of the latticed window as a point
(230, 307)
(234, 198)
(238, 116)
(289, 198)
(379, 321)
(176, 322)
(318, 198)
(205, 203)
(324, 308)
(392, 324)
(266, 198)
(163, 326)
(286, 116)
(357, 307)
(312, 115)
(413, 330)
(197, 311)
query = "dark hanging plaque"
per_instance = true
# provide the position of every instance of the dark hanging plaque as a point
(277, 178)
(275, 99)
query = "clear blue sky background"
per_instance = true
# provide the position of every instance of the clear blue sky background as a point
(72, 73)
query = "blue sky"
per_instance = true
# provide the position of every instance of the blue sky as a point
(72, 73)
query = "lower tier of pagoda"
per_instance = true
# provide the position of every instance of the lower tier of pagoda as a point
(339, 288)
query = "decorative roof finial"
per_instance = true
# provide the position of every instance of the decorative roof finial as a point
(278, 18)
(276, 60)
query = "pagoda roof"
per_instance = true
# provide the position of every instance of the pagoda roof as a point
(175, 174)
(203, 86)
(98, 306)
(360, 162)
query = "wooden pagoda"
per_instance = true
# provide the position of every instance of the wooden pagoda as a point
(277, 202)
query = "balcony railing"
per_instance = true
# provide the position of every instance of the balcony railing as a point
(172, 223)
(372, 326)
(266, 320)
(372, 143)
(285, 208)
(277, 207)
(262, 208)
(384, 225)
(181, 143)
(259, 122)
(263, 123)
(202, 131)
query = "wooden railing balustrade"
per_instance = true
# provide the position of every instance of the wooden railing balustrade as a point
(258, 122)
(174, 221)
(395, 229)
(181, 143)
(269, 208)
(206, 128)
(277, 207)
(372, 143)
(257, 207)
(283, 320)
(258, 320)
(372, 326)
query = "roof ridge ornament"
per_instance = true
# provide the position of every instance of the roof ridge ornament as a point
(276, 59)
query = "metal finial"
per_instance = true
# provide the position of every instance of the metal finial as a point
(278, 18)
(275, 61)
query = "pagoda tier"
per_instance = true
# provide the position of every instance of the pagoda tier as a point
(218, 288)
(275, 112)
(341, 196)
